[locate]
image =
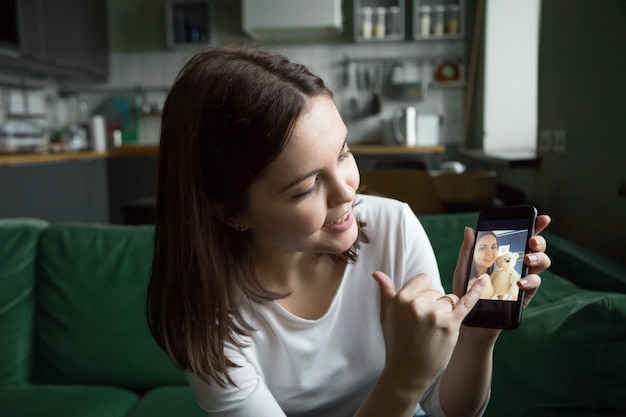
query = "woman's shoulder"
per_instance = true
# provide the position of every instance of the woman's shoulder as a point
(372, 207)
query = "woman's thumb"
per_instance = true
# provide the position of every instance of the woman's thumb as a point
(387, 291)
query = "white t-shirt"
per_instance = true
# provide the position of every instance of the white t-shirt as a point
(326, 367)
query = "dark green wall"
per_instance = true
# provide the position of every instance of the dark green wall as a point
(582, 88)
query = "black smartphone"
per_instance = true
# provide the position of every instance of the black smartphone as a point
(501, 242)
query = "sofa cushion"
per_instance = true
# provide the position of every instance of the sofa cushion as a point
(446, 235)
(567, 356)
(18, 251)
(173, 401)
(91, 325)
(65, 401)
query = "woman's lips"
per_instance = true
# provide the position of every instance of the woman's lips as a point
(340, 220)
(340, 225)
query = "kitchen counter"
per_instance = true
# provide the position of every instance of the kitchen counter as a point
(36, 158)
(153, 150)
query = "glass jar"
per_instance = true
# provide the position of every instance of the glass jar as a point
(452, 19)
(394, 28)
(439, 20)
(366, 22)
(425, 20)
(380, 14)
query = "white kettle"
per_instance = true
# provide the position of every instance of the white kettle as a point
(407, 127)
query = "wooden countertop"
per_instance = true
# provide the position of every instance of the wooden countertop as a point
(153, 150)
(395, 149)
(38, 158)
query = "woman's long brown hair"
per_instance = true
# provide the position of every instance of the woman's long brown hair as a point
(226, 118)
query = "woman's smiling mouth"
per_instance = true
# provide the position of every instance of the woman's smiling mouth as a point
(340, 220)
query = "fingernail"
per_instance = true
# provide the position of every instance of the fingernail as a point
(523, 281)
(533, 258)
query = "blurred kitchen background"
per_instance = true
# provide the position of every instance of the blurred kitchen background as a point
(82, 84)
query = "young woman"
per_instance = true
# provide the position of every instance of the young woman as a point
(485, 254)
(278, 288)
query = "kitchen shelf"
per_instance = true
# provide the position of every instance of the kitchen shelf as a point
(368, 27)
(447, 30)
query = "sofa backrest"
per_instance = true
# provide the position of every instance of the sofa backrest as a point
(18, 250)
(91, 325)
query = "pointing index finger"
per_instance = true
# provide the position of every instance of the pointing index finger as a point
(469, 300)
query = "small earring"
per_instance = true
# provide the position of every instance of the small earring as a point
(240, 227)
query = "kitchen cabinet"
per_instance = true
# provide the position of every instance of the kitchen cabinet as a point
(415, 20)
(72, 190)
(289, 20)
(131, 178)
(438, 19)
(379, 20)
(63, 38)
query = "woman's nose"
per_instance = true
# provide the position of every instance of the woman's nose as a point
(341, 190)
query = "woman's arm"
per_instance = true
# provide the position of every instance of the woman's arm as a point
(421, 330)
(466, 381)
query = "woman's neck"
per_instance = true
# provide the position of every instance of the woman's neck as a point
(309, 281)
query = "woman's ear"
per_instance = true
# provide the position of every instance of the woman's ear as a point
(228, 216)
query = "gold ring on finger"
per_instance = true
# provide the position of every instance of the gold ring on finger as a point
(449, 299)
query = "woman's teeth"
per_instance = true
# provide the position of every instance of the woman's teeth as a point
(341, 220)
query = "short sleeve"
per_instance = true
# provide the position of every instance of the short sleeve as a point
(249, 398)
(419, 256)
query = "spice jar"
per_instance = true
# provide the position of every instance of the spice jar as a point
(439, 24)
(366, 22)
(424, 20)
(452, 19)
(379, 22)
(394, 28)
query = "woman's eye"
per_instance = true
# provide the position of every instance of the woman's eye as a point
(345, 155)
(308, 192)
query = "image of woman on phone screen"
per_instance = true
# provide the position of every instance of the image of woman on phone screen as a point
(276, 286)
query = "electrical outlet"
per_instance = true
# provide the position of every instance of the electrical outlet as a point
(545, 141)
(559, 139)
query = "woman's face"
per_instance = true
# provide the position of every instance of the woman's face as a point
(303, 200)
(486, 251)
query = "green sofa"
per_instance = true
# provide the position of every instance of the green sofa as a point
(74, 339)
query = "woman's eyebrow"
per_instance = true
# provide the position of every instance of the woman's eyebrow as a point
(302, 177)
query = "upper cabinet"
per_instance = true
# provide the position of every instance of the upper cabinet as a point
(379, 20)
(59, 38)
(438, 19)
(280, 20)
(398, 20)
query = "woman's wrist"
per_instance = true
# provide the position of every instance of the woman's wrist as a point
(478, 336)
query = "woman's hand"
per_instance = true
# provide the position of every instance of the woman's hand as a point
(537, 261)
(420, 328)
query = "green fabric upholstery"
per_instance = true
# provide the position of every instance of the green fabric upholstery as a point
(18, 250)
(446, 235)
(65, 401)
(91, 321)
(566, 358)
(167, 402)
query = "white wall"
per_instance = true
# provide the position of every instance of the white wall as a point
(511, 69)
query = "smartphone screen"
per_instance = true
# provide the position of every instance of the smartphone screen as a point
(501, 242)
